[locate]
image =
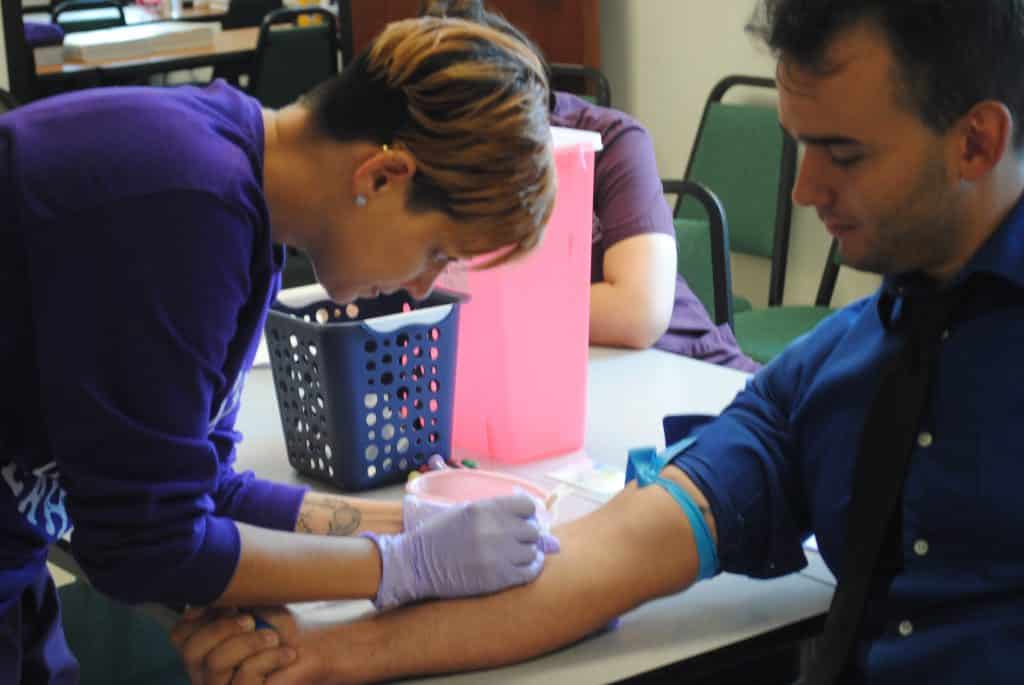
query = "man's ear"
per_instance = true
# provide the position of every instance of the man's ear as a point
(984, 135)
(384, 170)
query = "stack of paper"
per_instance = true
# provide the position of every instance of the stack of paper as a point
(139, 40)
(48, 55)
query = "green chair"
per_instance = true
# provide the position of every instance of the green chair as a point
(117, 644)
(87, 15)
(702, 250)
(743, 155)
(764, 333)
(291, 59)
(587, 82)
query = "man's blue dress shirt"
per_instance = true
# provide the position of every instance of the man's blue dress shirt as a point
(778, 465)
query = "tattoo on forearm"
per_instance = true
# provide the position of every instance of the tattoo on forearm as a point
(328, 517)
(344, 520)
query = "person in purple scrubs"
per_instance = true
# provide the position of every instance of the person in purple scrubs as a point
(637, 298)
(144, 232)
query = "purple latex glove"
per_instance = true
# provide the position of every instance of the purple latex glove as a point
(469, 549)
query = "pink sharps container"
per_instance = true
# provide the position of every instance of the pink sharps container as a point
(521, 368)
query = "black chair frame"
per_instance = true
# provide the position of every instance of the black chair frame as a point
(7, 101)
(827, 285)
(289, 16)
(718, 226)
(589, 75)
(247, 14)
(345, 38)
(787, 176)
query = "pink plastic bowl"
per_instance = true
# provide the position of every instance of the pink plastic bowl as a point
(453, 486)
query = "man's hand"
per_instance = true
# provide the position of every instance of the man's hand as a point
(223, 646)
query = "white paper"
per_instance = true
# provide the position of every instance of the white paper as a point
(138, 40)
(598, 482)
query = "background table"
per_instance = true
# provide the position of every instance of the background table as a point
(136, 14)
(715, 624)
(231, 46)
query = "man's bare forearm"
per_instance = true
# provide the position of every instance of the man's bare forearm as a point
(635, 548)
(326, 514)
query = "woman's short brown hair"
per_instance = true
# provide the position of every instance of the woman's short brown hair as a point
(470, 105)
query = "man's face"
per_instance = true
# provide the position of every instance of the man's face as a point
(883, 182)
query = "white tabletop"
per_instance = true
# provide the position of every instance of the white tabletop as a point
(628, 394)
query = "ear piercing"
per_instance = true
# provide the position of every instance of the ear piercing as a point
(361, 199)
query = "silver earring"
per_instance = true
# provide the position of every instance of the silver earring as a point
(360, 200)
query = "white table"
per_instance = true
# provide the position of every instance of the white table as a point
(628, 394)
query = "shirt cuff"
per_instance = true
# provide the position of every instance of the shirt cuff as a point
(213, 564)
(268, 504)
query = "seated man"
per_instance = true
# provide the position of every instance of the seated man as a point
(890, 431)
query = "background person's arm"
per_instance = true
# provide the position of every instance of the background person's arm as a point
(632, 306)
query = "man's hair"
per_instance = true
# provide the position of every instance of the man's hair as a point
(470, 105)
(950, 54)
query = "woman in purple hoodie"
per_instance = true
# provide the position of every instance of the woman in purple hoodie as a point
(144, 232)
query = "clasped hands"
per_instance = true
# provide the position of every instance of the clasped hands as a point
(458, 551)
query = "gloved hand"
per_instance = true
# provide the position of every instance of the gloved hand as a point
(470, 549)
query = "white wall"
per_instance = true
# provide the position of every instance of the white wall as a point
(662, 58)
(4, 80)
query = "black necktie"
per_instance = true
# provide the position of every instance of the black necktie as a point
(888, 438)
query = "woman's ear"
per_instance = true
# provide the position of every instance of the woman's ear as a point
(385, 169)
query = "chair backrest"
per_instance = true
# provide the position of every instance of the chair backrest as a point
(345, 35)
(292, 59)
(744, 156)
(702, 250)
(7, 101)
(827, 285)
(87, 15)
(587, 82)
(245, 13)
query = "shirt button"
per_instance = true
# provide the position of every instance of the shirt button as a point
(925, 439)
(906, 628)
(920, 547)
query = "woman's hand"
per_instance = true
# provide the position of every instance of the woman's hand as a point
(472, 549)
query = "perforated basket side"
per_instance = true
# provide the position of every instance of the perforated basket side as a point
(362, 407)
(304, 398)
